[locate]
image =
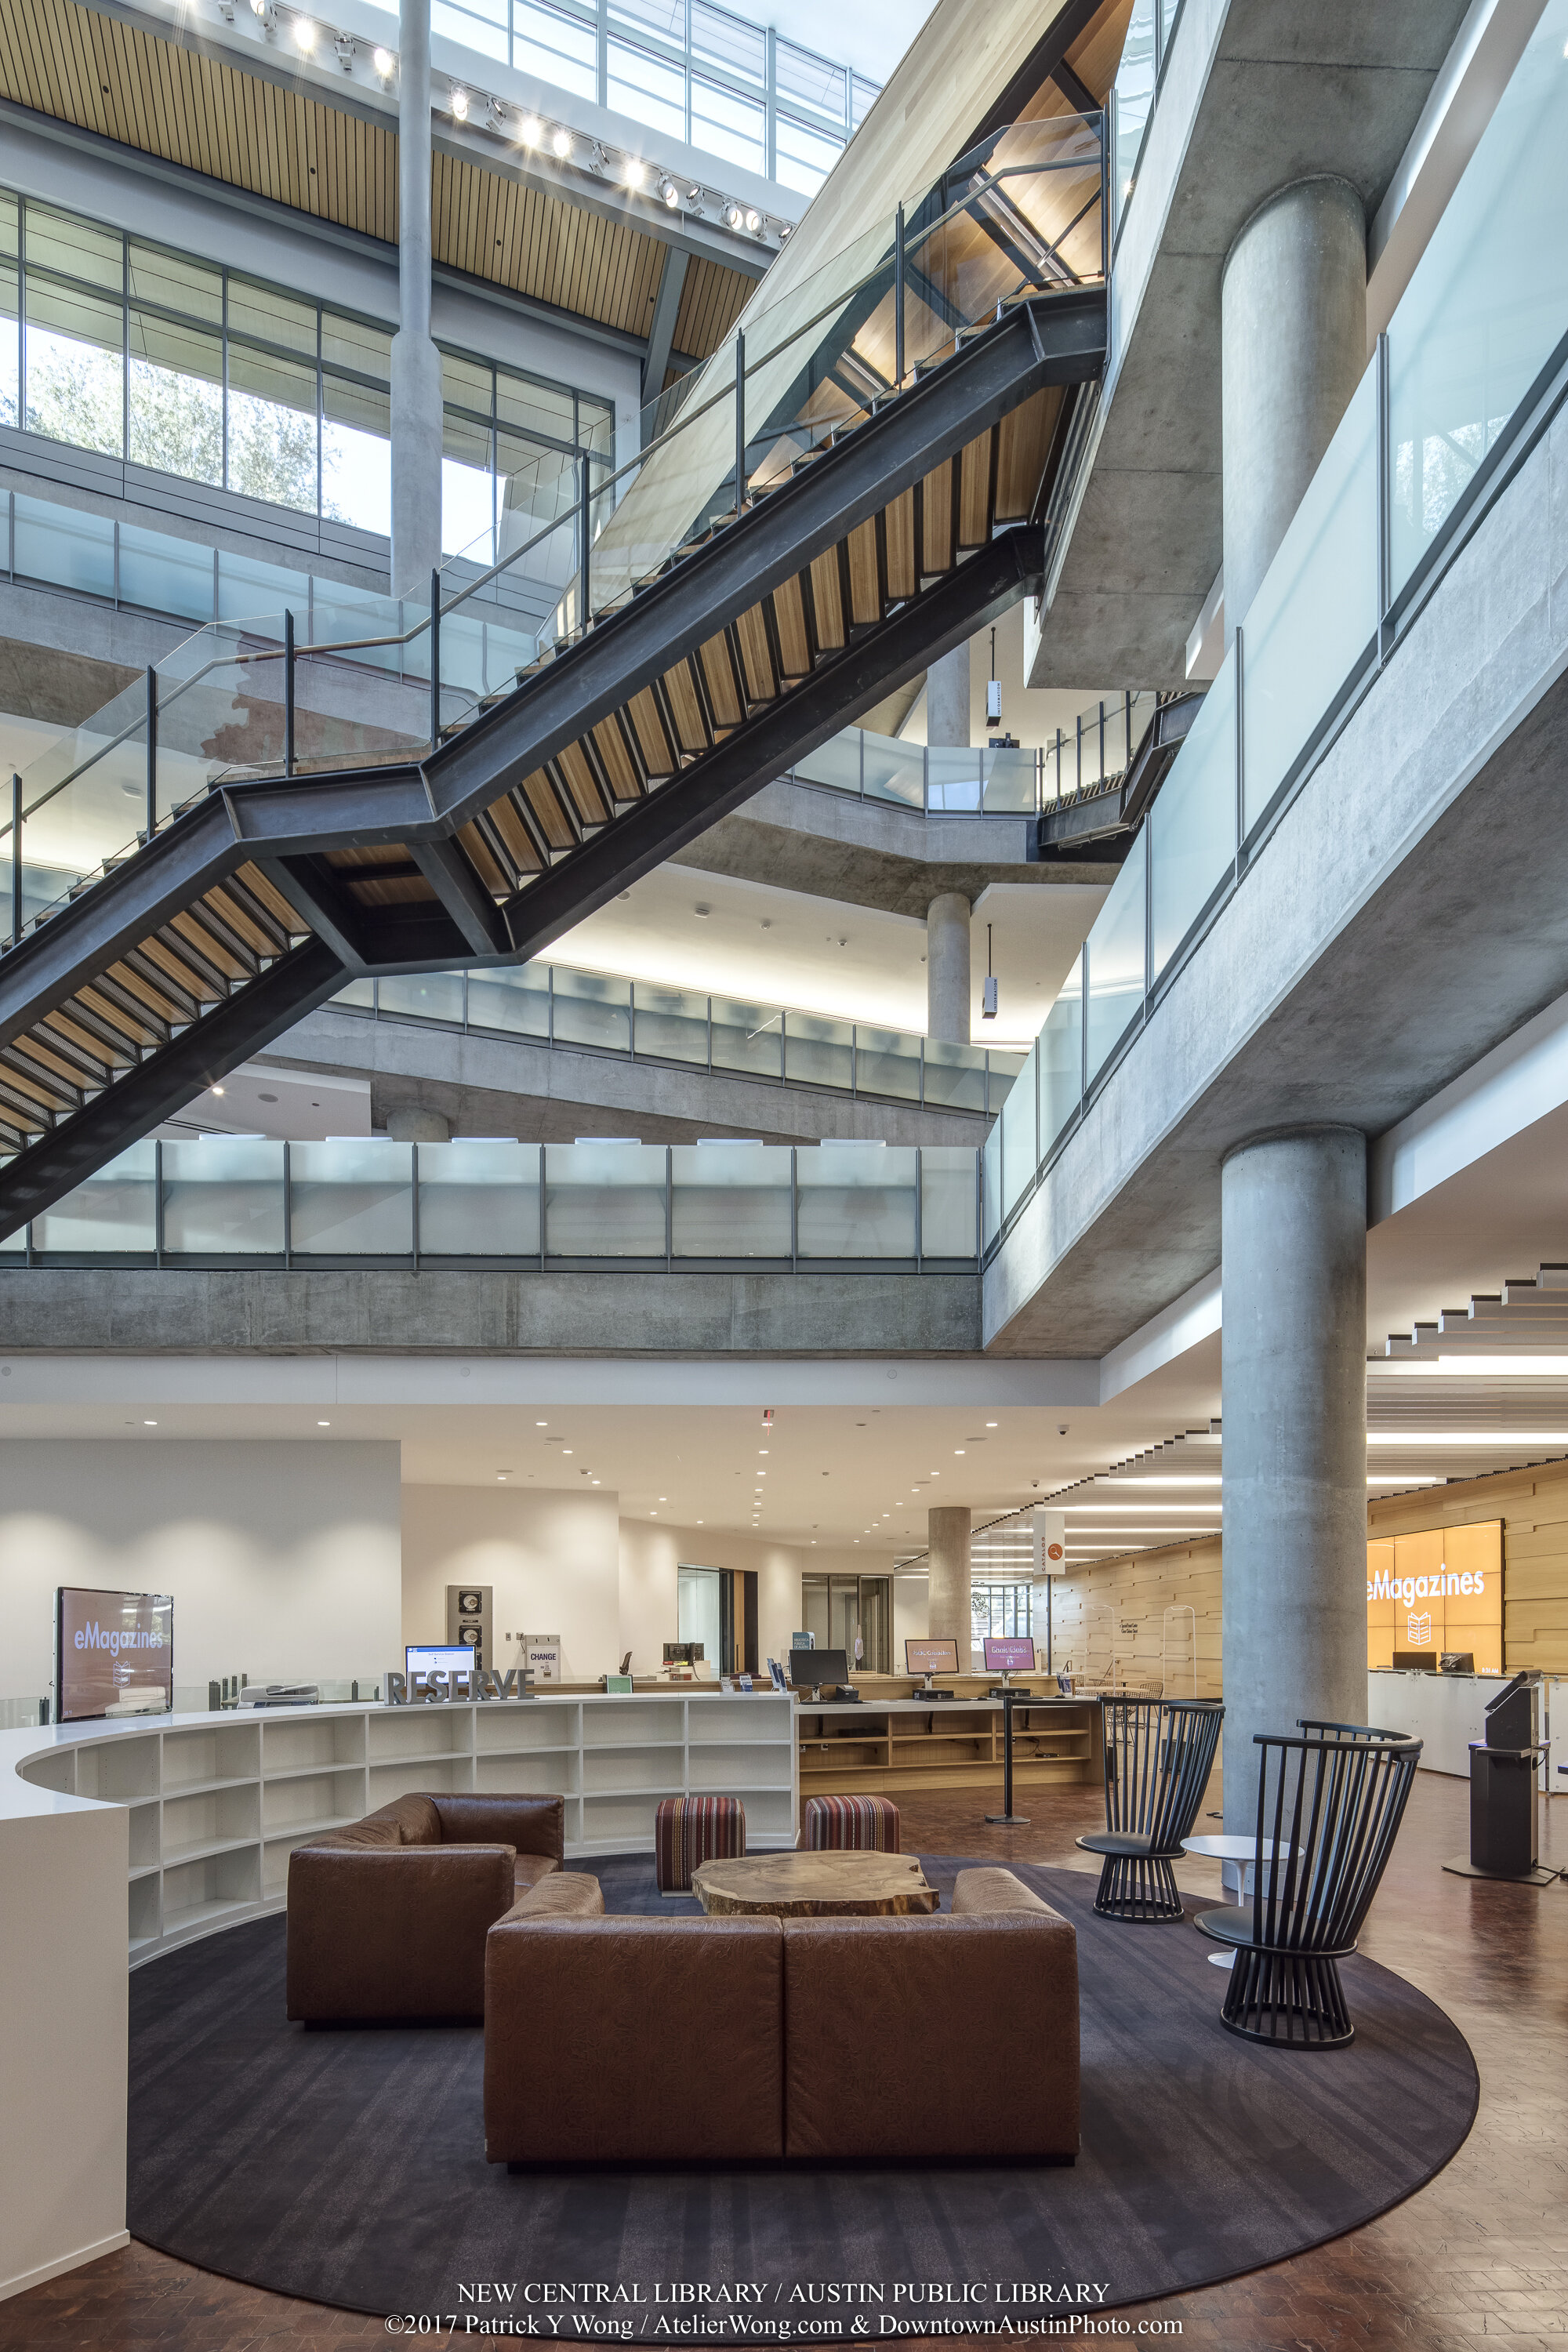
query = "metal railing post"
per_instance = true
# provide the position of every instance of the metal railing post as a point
(158, 1203)
(898, 299)
(584, 527)
(413, 1199)
(669, 1207)
(740, 420)
(1240, 756)
(288, 692)
(288, 1211)
(151, 750)
(435, 661)
(1384, 502)
(16, 857)
(920, 1204)
(794, 1208)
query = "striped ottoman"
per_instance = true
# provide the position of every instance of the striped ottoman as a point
(689, 1830)
(852, 1822)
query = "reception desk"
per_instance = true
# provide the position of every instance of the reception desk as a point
(900, 1744)
(1445, 1712)
(121, 1841)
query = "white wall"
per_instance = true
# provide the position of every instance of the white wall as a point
(553, 1560)
(912, 1614)
(283, 1558)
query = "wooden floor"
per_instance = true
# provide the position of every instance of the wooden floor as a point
(1481, 2251)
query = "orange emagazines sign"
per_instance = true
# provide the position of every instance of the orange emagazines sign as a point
(1441, 1589)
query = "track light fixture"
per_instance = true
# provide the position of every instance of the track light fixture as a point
(732, 215)
(531, 130)
(634, 170)
(560, 141)
(670, 192)
(753, 221)
(459, 102)
(496, 115)
(343, 43)
(384, 61)
(264, 14)
(306, 35)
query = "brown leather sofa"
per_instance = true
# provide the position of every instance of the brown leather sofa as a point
(388, 1917)
(646, 2040)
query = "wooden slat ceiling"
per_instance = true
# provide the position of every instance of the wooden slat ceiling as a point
(288, 146)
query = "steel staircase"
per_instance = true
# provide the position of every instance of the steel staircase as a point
(914, 504)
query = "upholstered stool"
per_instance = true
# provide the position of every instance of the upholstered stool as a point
(846, 1824)
(689, 1830)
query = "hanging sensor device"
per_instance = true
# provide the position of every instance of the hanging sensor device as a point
(989, 994)
(994, 687)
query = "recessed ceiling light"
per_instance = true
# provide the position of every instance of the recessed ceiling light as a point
(991, 1425)
(324, 1424)
(958, 1449)
(218, 1090)
(567, 1450)
(149, 1425)
(542, 1425)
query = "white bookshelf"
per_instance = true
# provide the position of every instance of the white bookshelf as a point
(218, 1803)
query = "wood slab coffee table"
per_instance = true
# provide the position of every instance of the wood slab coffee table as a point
(814, 1885)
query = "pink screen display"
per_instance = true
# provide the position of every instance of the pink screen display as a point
(1012, 1655)
(931, 1656)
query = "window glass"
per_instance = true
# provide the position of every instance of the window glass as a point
(646, 88)
(175, 284)
(725, 40)
(556, 47)
(467, 491)
(861, 95)
(56, 241)
(177, 398)
(803, 158)
(10, 347)
(481, 27)
(807, 79)
(350, 343)
(596, 427)
(466, 384)
(271, 428)
(356, 454)
(539, 484)
(10, 224)
(259, 310)
(541, 408)
(665, 18)
(727, 125)
(74, 366)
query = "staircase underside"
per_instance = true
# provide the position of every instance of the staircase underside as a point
(866, 564)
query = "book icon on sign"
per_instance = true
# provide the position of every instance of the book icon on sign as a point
(1419, 1630)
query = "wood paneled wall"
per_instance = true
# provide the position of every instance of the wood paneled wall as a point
(1124, 1602)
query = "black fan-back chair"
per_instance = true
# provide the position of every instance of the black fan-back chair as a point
(1334, 1799)
(1158, 1753)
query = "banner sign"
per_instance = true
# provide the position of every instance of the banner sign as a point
(1439, 1591)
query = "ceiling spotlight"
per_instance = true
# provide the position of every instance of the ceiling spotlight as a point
(635, 169)
(561, 140)
(384, 61)
(324, 1424)
(306, 35)
(597, 158)
(263, 12)
(529, 130)
(496, 115)
(460, 103)
(670, 192)
(753, 222)
(343, 43)
(733, 214)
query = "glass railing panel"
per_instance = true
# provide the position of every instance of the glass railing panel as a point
(991, 1183)
(359, 996)
(893, 770)
(605, 1200)
(1192, 825)
(223, 713)
(114, 1212)
(954, 1076)
(513, 999)
(954, 783)
(950, 1201)
(1020, 1154)
(14, 1244)
(223, 1197)
(1010, 783)
(731, 1199)
(1059, 1048)
(65, 547)
(836, 763)
(166, 575)
(1485, 304)
(351, 1199)
(856, 1201)
(423, 996)
(593, 1009)
(1315, 615)
(1002, 1069)
(1134, 97)
(818, 1052)
(246, 586)
(748, 1037)
(479, 1199)
(1114, 953)
(670, 1024)
(887, 1063)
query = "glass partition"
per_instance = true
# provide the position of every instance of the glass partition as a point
(818, 1052)
(1193, 824)
(350, 1199)
(1020, 1150)
(114, 1214)
(889, 770)
(954, 1076)
(424, 996)
(671, 1025)
(856, 1201)
(748, 1038)
(512, 999)
(479, 1199)
(887, 1064)
(950, 1204)
(605, 1200)
(991, 1184)
(223, 1197)
(732, 1201)
(1114, 961)
(592, 1009)
(1059, 1051)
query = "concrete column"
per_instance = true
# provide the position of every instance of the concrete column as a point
(947, 1541)
(419, 1127)
(416, 362)
(1293, 1381)
(947, 969)
(1293, 346)
(947, 698)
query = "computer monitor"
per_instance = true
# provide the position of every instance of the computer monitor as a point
(1457, 1661)
(1012, 1653)
(1424, 1661)
(929, 1656)
(682, 1653)
(809, 1669)
(437, 1657)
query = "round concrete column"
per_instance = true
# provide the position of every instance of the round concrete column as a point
(416, 362)
(947, 1543)
(1293, 346)
(947, 969)
(419, 1127)
(947, 698)
(1293, 1381)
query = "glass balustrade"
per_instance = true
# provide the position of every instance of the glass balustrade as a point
(1476, 341)
(216, 1200)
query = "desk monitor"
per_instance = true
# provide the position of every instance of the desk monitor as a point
(437, 1657)
(930, 1657)
(682, 1653)
(811, 1668)
(1424, 1661)
(114, 1653)
(1457, 1661)
(1013, 1653)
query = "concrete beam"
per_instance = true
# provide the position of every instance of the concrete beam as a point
(152, 1311)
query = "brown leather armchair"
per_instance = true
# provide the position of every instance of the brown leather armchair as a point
(837, 2035)
(388, 1917)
